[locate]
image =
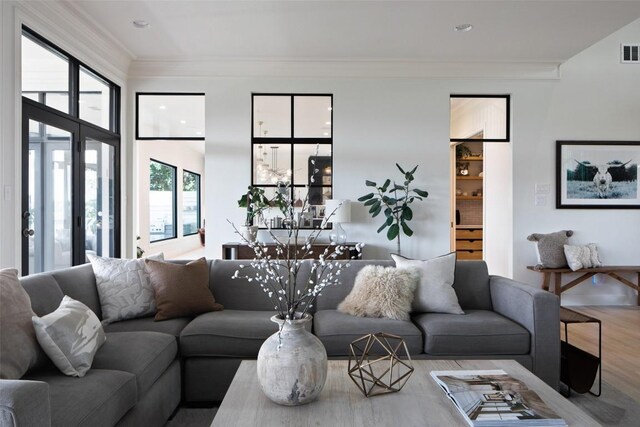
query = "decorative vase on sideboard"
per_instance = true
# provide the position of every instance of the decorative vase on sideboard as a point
(292, 363)
(249, 233)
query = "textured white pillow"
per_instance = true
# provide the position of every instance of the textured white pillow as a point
(381, 292)
(70, 336)
(585, 256)
(123, 287)
(435, 293)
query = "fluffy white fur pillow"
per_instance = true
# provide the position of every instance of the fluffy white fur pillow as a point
(582, 256)
(381, 292)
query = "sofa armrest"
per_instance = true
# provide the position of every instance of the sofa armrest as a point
(539, 312)
(24, 403)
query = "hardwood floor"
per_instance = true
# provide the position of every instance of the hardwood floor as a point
(620, 344)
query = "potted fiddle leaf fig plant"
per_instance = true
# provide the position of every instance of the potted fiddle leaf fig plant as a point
(394, 200)
(255, 202)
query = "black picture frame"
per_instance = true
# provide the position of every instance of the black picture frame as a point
(597, 174)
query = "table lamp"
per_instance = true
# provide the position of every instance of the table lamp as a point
(341, 210)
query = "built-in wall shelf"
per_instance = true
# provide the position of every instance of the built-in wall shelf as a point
(469, 178)
(470, 159)
(469, 197)
(468, 238)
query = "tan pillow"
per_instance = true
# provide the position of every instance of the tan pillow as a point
(19, 349)
(381, 292)
(181, 290)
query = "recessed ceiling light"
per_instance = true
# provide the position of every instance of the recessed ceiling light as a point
(463, 27)
(198, 133)
(141, 23)
(326, 134)
(327, 123)
(163, 107)
(329, 108)
(184, 122)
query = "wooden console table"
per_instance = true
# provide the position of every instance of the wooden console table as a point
(242, 251)
(610, 270)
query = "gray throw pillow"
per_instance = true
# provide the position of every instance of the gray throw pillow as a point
(381, 292)
(19, 349)
(550, 248)
(435, 293)
(123, 287)
(70, 336)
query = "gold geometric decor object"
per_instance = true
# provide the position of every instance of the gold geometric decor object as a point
(375, 363)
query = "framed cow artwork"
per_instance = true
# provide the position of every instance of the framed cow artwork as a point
(597, 174)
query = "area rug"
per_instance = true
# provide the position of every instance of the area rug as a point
(612, 408)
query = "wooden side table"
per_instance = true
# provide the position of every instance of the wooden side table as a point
(567, 317)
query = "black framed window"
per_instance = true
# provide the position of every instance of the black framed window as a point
(162, 201)
(56, 79)
(484, 118)
(292, 145)
(170, 116)
(70, 159)
(190, 203)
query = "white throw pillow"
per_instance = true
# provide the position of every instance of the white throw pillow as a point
(123, 287)
(435, 293)
(70, 336)
(585, 256)
(381, 292)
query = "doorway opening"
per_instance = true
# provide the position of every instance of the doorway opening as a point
(481, 180)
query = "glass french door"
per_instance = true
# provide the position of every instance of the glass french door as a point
(70, 189)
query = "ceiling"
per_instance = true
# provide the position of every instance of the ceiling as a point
(504, 31)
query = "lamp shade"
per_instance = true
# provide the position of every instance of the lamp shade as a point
(341, 210)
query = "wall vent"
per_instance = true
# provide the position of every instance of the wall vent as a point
(630, 54)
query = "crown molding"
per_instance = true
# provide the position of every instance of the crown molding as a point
(64, 25)
(338, 68)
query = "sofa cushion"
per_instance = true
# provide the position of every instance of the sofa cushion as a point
(44, 292)
(145, 354)
(240, 293)
(70, 336)
(123, 286)
(19, 349)
(170, 326)
(79, 283)
(337, 330)
(477, 332)
(181, 290)
(331, 296)
(471, 284)
(228, 333)
(435, 293)
(381, 292)
(100, 398)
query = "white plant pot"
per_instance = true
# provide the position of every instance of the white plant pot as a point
(249, 233)
(292, 364)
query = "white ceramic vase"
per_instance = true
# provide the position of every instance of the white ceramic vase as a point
(292, 363)
(249, 233)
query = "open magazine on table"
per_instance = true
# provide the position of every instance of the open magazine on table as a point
(488, 398)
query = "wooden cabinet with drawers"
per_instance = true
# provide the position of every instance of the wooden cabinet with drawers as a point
(469, 242)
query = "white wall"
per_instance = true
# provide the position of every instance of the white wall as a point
(180, 155)
(378, 122)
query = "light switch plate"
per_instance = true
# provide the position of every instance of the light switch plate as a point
(543, 188)
(541, 200)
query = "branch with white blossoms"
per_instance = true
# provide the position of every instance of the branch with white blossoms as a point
(276, 267)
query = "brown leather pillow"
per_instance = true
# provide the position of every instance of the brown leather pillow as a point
(181, 289)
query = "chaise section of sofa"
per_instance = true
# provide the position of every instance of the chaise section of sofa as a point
(135, 378)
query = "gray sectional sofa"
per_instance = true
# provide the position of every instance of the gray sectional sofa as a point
(146, 368)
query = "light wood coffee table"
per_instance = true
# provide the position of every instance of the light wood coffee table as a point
(420, 403)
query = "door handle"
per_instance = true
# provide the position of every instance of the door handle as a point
(28, 232)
